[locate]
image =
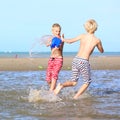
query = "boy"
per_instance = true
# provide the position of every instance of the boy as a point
(80, 64)
(56, 58)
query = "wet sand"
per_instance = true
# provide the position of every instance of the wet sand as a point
(31, 64)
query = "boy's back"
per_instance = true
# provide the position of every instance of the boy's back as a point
(87, 44)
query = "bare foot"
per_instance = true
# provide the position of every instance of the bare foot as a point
(75, 97)
(51, 91)
(58, 88)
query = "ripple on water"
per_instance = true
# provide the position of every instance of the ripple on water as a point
(24, 95)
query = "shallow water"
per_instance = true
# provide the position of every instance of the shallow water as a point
(24, 96)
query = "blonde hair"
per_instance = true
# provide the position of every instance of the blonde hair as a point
(56, 25)
(91, 26)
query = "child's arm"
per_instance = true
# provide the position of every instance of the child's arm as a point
(100, 47)
(72, 40)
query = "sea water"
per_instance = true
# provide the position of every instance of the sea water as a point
(47, 54)
(24, 95)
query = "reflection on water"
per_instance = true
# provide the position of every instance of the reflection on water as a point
(25, 96)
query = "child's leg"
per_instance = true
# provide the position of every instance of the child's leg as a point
(53, 84)
(69, 83)
(85, 72)
(49, 83)
(81, 90)
(55, 72)
(65, 84)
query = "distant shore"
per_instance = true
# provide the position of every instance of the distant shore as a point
(32, 64)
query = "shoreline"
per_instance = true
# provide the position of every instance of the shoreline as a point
(34, 64)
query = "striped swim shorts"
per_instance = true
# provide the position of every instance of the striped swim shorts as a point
(81, 67)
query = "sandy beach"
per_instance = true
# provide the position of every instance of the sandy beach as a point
(29, 64)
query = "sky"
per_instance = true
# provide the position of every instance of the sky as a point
(24, 21)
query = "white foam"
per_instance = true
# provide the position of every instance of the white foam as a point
(34, 95)
(42, 95)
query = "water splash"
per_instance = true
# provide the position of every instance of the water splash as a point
(42, 95)
(38, 45)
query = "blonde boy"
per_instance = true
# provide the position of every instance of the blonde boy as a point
(80, 64)
(56, 58)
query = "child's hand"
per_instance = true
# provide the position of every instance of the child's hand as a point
(62, 37)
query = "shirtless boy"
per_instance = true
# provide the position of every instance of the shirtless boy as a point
(56, 58)
(80, 64)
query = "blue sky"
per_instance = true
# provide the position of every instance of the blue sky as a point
(23, 21)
